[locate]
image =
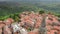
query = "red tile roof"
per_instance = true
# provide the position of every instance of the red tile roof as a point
(33, 20)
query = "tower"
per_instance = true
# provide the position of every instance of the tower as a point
(43, 29)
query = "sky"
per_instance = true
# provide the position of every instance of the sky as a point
(30, 0)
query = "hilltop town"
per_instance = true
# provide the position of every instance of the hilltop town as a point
(31, 23)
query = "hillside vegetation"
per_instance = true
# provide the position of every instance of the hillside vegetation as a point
(12, 8)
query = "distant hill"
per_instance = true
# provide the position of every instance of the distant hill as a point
(11, 7)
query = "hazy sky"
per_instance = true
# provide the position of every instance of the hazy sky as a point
(30, 0)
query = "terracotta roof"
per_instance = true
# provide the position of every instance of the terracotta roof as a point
(34, 20)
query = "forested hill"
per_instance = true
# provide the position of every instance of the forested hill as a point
(12, 7)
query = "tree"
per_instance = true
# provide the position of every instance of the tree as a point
(41, 12)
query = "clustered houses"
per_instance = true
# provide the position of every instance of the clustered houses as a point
(31, 23)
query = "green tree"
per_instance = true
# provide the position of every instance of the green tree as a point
(41, 12)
